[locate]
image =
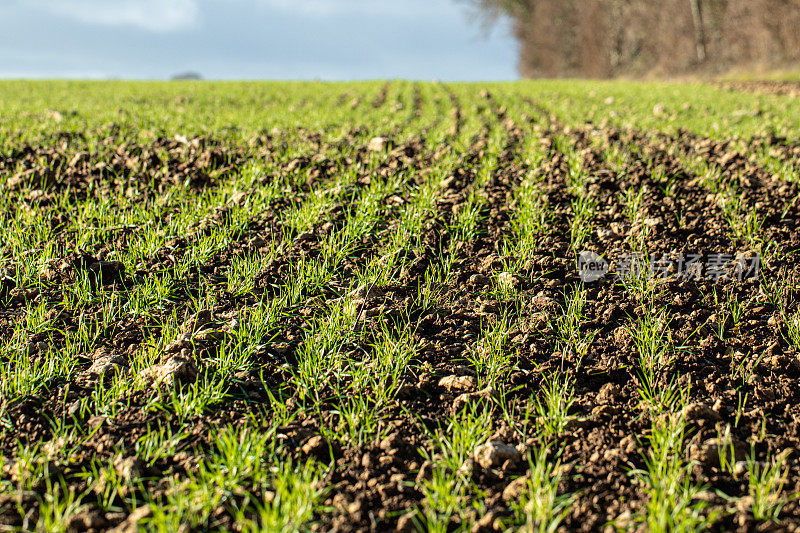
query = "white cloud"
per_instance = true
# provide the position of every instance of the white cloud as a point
(150, 15)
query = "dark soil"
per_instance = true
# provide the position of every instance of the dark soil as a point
(786, 88)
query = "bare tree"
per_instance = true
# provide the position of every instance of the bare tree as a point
(699, 30)
(491, 10)
(606, 38)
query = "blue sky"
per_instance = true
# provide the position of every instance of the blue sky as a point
(251, 39)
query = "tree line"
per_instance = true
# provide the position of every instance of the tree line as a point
(610, 38)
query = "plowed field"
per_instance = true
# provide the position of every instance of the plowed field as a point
(366, 307)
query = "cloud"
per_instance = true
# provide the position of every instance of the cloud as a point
(152, 15)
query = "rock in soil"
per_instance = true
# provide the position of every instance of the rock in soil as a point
(467, 398)
(209, 335)
(455, 383)
(607, 393)
(495, 453)
(377, 144)
(479, 280)
(700, 411)
(183, 342)
(107, 364)
(507, 280)
(709, 452)
(176, 370)
(316, 446)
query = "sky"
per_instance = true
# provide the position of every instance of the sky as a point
(252, 39)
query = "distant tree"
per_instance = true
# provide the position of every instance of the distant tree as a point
(699, 29)
(503, 7)
(607, 38)
(188, 76)
(490, 11)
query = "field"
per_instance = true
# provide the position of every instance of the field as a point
(354, 307)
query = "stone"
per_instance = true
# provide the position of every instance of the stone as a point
(107, 364)
(652, 222)
(316, 446)
(455, 383)
(377, 144)
(479, 279)
(96, 421)
(709, 452)
(507, 280)
(366, 291)
(604, 233)
(176, 370)
(467, 398)
(700, 411)
(239, 198)
(495, 453)
(183, 342)
(208, 335)
(607, 393)
(491, 263)
(391, 442)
